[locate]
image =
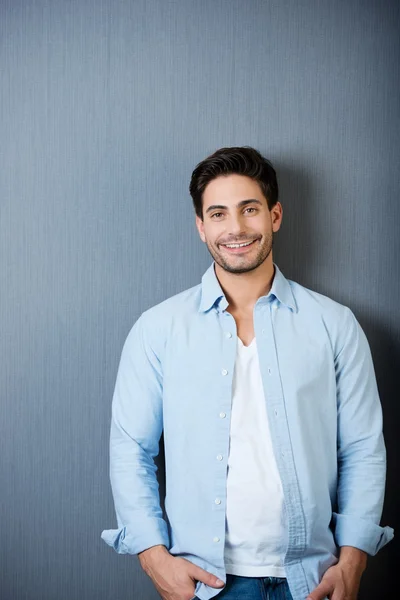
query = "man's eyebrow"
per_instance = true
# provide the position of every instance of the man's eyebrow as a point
(238, 205)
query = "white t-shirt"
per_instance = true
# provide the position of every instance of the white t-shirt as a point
(256, 531)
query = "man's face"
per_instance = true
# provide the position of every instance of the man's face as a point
(226, 222)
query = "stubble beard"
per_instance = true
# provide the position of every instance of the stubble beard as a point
(246, 262)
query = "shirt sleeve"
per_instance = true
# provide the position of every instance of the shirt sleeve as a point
(361, 451)
(136, 427)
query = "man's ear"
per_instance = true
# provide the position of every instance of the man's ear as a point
(277, 215)
(200, 228)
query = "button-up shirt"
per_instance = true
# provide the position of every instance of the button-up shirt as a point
(175, 377)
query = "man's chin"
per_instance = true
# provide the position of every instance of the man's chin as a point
(236, 265)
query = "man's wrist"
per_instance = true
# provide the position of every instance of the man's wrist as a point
(152, 553)
(354, 557)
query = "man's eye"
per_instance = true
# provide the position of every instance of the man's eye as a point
(219, 213)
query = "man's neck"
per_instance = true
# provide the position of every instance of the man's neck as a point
(242, 290)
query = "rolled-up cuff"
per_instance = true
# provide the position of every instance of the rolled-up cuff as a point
(360, 533)
(129, 540)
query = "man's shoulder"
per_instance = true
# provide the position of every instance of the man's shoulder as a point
(309, 301)
(323, 315)
(155, 323)
(183, 303)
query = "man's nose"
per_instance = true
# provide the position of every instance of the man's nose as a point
(236, 226)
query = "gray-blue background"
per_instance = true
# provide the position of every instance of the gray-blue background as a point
(106, 107)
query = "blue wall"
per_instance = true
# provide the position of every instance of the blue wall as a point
(105, 109)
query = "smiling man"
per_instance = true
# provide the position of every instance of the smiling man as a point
(266, 393)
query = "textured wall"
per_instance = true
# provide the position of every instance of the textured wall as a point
(106, 107)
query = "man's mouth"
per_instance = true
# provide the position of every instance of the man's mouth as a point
(239, 247)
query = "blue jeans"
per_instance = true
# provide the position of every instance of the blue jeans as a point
(254, 588)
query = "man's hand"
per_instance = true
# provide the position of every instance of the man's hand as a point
(174, 577)
(342, 581)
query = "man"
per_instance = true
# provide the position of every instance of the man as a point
(266, 393)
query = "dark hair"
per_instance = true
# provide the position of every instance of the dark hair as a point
(242, 160)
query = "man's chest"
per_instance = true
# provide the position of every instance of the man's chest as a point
(244, 326)
(296, 370)
(295, 358)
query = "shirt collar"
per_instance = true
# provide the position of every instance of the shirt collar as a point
(211, 291)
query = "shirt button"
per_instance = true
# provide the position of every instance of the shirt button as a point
(263, 330)
(224, 372)
(276, 412)
(269, 370)
(217, 501)
(228, 334)
(219, 457)
(275, 306)
(222, 415)
(216, 539)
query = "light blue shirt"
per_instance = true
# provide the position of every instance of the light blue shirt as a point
(175, 376)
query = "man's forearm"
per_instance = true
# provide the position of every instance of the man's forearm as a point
(353, 556)
(151, 554)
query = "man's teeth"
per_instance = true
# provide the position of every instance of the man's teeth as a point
(238, 245)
